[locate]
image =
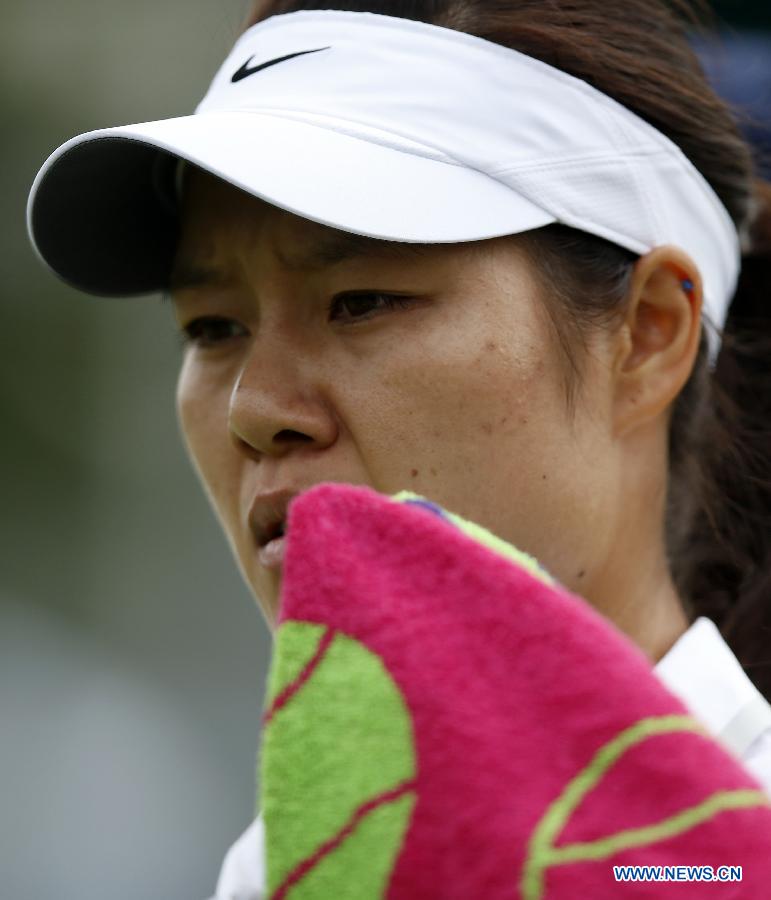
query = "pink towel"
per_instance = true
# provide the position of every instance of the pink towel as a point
(445, 720)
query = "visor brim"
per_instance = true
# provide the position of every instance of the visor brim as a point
(101, 212)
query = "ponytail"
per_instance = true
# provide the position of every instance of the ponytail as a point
(725, 569)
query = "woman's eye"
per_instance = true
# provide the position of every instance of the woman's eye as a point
(355, 307)
(210, 331)
(207, 331)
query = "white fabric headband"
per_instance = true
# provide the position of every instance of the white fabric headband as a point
(389, 128)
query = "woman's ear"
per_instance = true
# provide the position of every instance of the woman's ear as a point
(657, 343)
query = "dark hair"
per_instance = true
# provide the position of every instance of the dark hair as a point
(718, 537)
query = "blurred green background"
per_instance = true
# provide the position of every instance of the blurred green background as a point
(132, 657)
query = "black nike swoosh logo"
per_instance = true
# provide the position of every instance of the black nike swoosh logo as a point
(245, 71)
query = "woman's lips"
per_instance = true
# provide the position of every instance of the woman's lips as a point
(271, 556)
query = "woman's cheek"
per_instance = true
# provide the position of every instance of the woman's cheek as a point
(202, 413)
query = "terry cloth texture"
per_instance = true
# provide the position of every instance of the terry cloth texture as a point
(445, 720)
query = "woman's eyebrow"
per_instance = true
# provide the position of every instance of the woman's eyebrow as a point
(320, 254)
(189, 275)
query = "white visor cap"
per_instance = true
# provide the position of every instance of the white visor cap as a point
(388, 128)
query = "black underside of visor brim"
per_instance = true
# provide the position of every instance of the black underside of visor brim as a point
(104, 217)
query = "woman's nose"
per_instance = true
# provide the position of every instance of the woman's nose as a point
(278, 403)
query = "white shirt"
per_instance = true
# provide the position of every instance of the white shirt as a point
(700, 669)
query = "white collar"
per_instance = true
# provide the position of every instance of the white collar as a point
(703, 672)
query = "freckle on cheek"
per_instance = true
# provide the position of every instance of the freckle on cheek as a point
(414, 473)
(487, 428)
(491, 345)
(582, 573)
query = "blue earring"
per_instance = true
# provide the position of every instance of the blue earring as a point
(687, 285)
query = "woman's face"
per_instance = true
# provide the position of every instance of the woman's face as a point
(452, 391)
